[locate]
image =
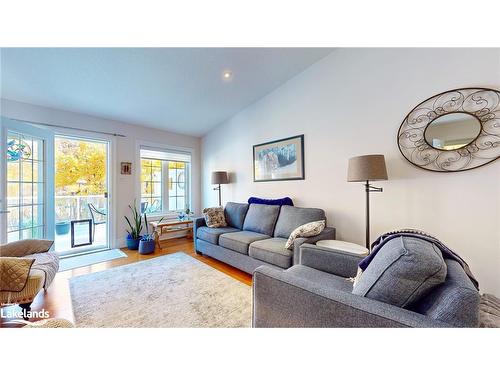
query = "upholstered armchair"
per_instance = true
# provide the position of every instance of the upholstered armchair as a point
(26, 267)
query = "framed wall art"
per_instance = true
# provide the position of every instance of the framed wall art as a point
(279, 160)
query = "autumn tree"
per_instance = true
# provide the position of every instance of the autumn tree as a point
(80, 167)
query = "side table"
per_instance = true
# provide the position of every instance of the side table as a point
(348, 247)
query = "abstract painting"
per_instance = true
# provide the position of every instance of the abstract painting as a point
(279, 160)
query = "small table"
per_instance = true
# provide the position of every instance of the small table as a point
(348, 247)
(171, 226)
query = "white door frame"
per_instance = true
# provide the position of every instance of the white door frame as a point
(110, 175)
(48, 154)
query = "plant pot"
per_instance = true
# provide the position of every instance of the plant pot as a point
(133, 244)
(146, 247)
(62, 228)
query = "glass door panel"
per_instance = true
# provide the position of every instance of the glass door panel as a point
(25, 209)
(81, 195)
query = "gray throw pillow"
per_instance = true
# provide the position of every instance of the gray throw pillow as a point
(402, 272)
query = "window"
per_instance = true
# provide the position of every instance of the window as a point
(165, 180)
(25, 187)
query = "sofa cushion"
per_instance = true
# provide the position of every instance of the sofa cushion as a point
(235, 214)
(212, 234)
(239, 241)
(291, 218)
(456, 301)
(272, 250)
(214, 217)
(402, 272)
(261, 218)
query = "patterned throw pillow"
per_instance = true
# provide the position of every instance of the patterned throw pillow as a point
(307, 230)
(214, 217)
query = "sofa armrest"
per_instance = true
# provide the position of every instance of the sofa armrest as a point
(324, 259)
(282, 300)
(197, 223)
(25, 247)
(327, 234)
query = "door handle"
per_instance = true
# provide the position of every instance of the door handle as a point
(4, 212)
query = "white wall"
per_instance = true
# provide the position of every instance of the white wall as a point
(126, 187)
(352, 103)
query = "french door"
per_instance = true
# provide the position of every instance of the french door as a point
(27, 188)
(54, 187)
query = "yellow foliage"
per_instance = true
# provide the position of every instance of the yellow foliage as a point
(80, 167)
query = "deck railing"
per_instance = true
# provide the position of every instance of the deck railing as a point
(75, 207)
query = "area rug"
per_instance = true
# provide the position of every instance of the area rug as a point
(84, 260)
(173, 290)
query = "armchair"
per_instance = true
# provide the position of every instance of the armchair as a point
(26, 267)
(318, 293)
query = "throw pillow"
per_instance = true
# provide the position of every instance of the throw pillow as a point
(214, 217)
(402, 272)
(287, 201)
(307, 230)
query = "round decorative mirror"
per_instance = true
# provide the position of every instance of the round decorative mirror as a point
(453, 131)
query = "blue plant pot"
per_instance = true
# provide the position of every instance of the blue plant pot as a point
(133, 244)
(62, 228)
(146, 247)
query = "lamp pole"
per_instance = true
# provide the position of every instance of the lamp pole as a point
(369, 189)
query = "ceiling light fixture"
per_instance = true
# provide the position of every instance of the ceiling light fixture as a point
(227, 75)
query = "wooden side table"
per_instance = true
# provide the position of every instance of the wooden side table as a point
(161, 230)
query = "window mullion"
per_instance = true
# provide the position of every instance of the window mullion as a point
(165, 181)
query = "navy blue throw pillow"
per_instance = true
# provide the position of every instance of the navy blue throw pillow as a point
(287, 201)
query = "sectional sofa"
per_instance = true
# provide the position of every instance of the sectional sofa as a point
(256, 235)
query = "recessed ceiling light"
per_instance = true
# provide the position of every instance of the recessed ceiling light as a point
(227, 75)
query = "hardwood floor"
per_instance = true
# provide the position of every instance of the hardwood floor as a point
(57, 300)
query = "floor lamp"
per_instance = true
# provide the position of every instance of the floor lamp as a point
(219, 178)
(367, 168)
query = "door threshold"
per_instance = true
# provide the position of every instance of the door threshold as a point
(87, 252)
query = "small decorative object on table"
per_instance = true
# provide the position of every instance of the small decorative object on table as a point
(347, 247)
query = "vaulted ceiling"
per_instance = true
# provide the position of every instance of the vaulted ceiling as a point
(176, 89)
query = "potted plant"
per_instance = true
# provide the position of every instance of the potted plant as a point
(62, 227)
(134, 234)
(147, 242)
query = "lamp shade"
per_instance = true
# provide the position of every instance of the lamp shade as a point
(219, 177)
(366, 168)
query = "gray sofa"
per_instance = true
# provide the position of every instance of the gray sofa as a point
(256, 235)
(318, 293)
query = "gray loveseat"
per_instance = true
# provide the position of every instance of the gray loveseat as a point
(256, 235)
(318, 293)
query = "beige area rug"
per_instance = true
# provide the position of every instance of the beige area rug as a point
(173, 290)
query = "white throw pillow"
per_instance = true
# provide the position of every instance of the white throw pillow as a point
(214, 217)
(307, 230)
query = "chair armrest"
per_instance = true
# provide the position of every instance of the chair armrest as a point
(324, 259)
(197, 223)
(25, 247)
(282, 300)
(327, 234)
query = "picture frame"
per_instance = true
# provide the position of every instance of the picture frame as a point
(126, 168)
(279, 160)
